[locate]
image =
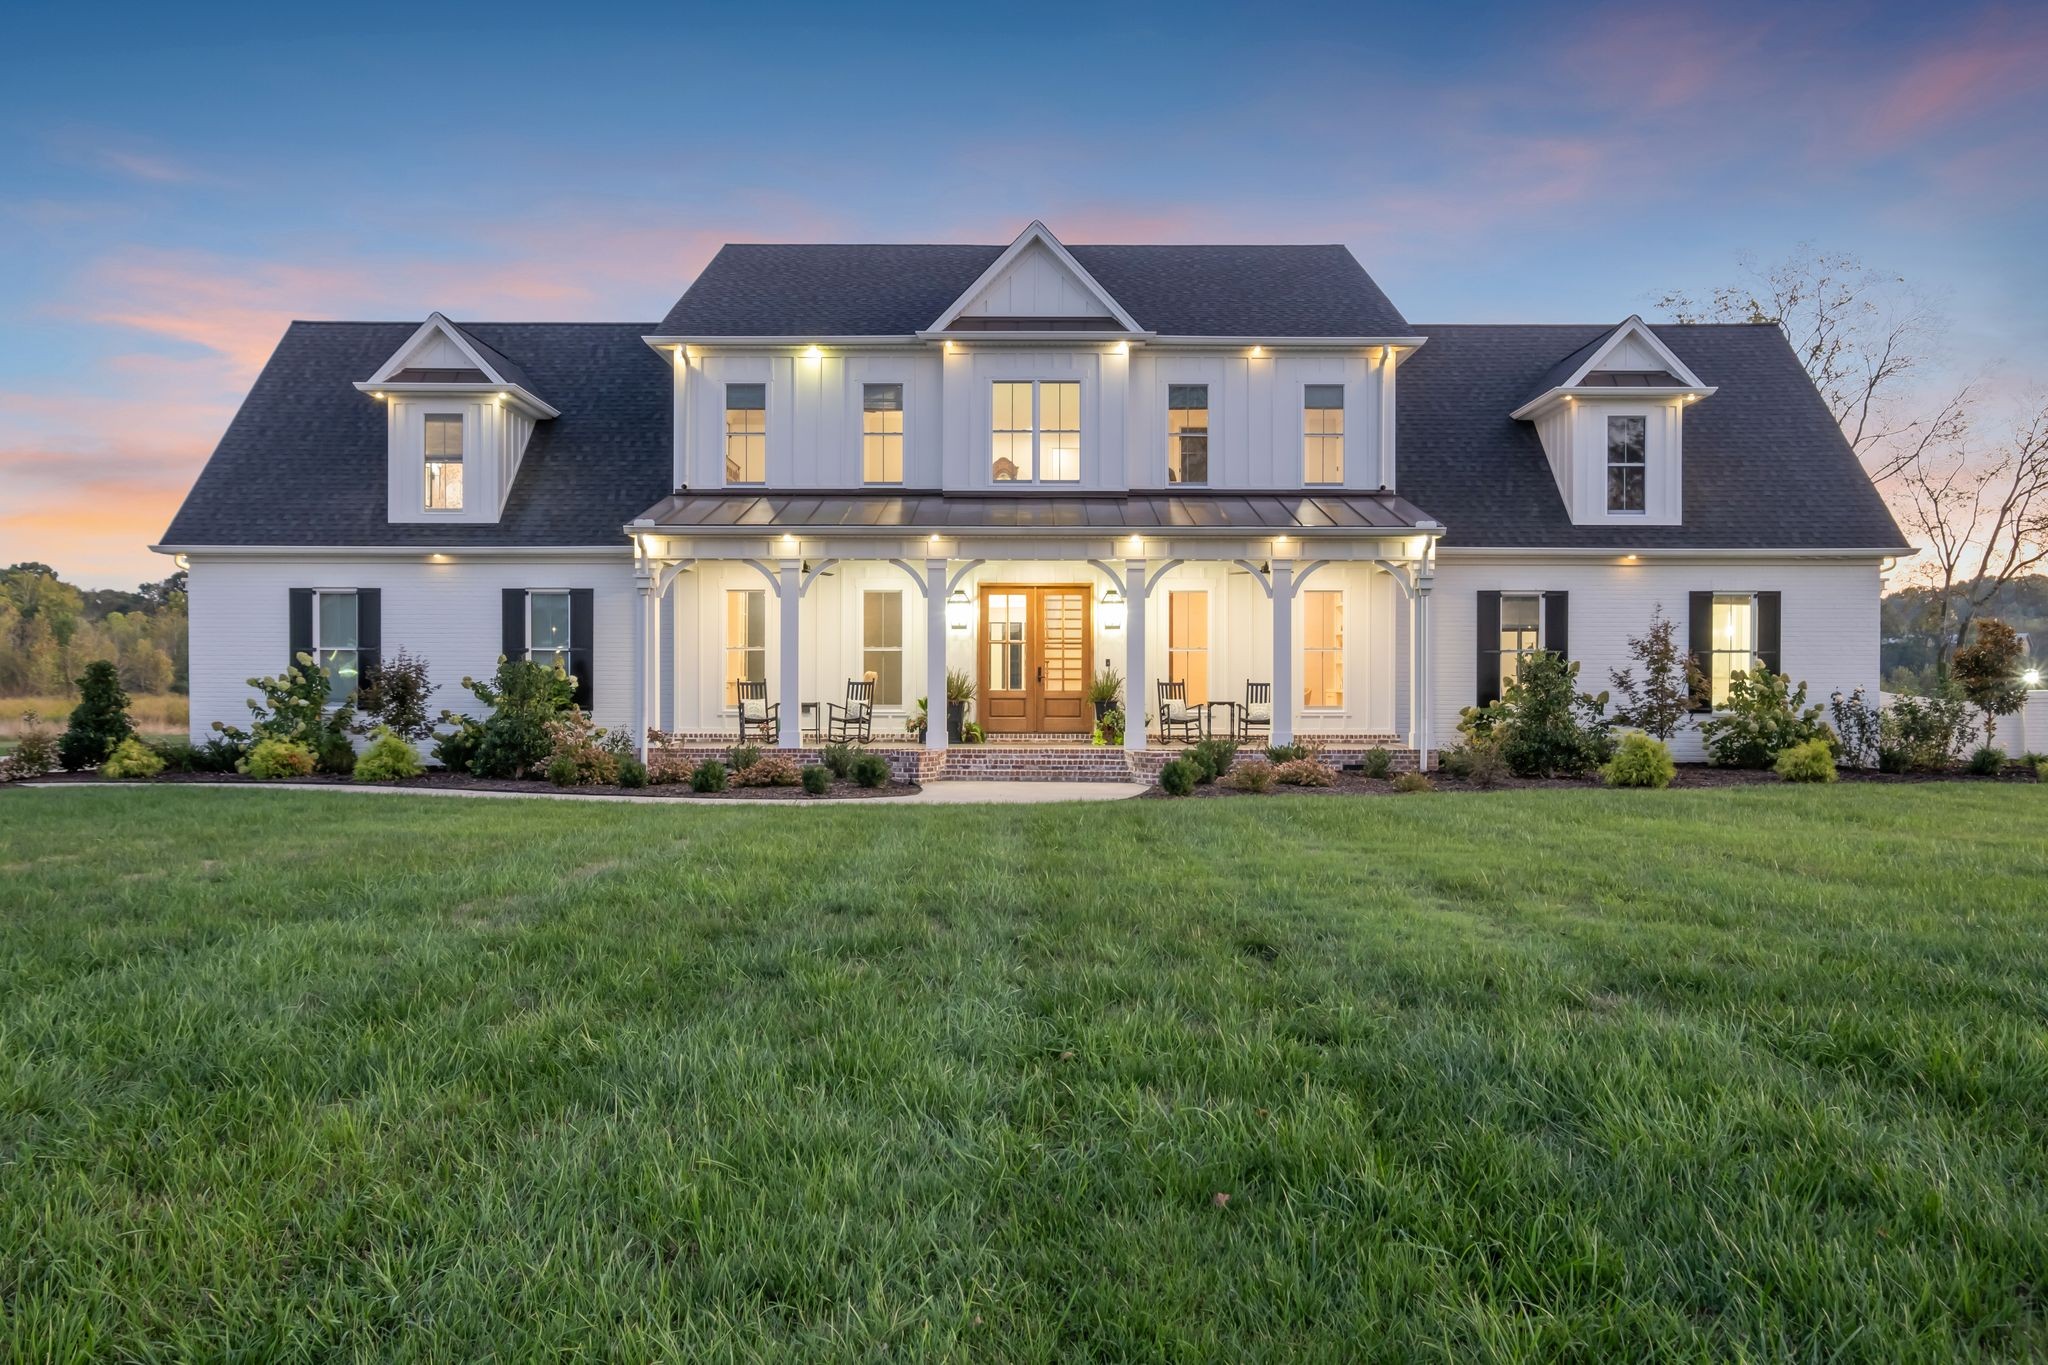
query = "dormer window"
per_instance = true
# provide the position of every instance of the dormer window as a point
(1627, 463)
(444, 461)
(746, 433)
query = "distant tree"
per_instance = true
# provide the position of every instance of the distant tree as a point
(1656, 703)
(1988, 671)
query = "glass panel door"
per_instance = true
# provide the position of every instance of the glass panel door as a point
(1006, 669)
(1062, 702)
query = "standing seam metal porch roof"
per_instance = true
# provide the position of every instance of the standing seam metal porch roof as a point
(930, 510)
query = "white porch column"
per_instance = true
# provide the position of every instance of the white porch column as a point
(1424, 707)
(935, 654)
(1283, 651)
(789, 592)
(1138, 689)
(643, 657)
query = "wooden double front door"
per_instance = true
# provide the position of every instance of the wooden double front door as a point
(1036, 659)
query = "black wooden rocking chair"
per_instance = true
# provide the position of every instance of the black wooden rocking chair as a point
(1178, 720)
(1256, 715)
(759, 717)
(855, 720)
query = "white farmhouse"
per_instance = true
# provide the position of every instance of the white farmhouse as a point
(1235, 474)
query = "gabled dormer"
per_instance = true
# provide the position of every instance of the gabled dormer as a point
(1036, 290)
(1611, 416)
(458, 416)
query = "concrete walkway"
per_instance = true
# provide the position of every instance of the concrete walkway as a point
(936, 794)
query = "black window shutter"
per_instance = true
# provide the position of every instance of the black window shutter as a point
(1557, 624)
(1769, 606)
(369, 635)
(512, 642)
(301, 628)
(1489, 648)
(582, 605)
(1699, 625)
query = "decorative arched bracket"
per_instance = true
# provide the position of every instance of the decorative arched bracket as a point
(811, 576)
(1148, 577)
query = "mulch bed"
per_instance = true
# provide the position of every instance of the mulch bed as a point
(1689, 775)
(439, 781)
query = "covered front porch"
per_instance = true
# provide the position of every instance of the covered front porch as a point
(1301, 624)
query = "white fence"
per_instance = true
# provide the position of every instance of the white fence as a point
(2023, 732)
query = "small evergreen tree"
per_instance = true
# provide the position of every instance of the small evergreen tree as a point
(1657, 704)
(1988, 670)
(100, 720)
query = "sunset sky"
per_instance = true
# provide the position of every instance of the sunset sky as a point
(177, 184)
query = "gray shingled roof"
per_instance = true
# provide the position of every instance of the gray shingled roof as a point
(1765, 465)
(304, 461)
(1238, 291)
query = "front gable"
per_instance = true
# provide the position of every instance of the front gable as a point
(1036, 285)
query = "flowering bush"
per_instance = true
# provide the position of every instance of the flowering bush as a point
(1765, 716)
(1305, 772)
(769, 770)
(581, 754)
(1250, 775)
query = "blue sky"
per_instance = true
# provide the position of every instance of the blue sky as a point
(176, 185)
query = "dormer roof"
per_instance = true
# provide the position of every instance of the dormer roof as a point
(1631, 357)
(441, 357)
(1035, 285)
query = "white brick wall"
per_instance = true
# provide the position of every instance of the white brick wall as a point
(449, 613)
(1829, 628)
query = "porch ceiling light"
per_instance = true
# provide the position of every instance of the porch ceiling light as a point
(959, 612)
(1112, 610)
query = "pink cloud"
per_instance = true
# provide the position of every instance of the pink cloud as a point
(2000, 61)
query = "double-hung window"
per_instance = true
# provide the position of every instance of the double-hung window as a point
(1521, 632)
(444, 461)
(547, 628)
(1322, 433)
(1733, 633)
(881, 433)
(1187, 433)
(881, 644)
(1322, 648)
(1187, 642)
(1036, 431)
(1627, 463)
(336, 641)
(746, 433)
(746, 639)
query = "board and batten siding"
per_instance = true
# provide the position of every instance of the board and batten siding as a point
(1829, 627)
(449, 614)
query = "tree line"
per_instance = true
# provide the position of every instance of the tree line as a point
(50, 630)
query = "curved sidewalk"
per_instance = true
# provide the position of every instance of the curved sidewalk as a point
(936, 794)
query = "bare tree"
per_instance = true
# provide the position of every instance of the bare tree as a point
(1859, 333)
(1984, 519)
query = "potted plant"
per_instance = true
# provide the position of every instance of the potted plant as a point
(1104, 691)
(959, 691)
(1109, 726)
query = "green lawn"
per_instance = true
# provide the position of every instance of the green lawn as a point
(1756, 1073)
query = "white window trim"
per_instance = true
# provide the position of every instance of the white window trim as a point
(725, 432)
(427, 417)
(1342, 651)
(1037, 434)
(1208, 651)
(356, 648)
(1608, 465)
(902, 438)
(1343, 437)
(727, 649)
(1208, 431)
(1713, 646)
(901, 650)
(570, 606)
(1542, 620)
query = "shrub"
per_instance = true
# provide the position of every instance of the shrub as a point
(2041, 771)
(394, 696)
(1252, 775)
(1477, 761)
(709, 776)
(665, 766)
(817, 779)
(132, 758)
(632, 773)
(1378, 763)
(1287, 753)
(1924, 734)
(513, 740)
(1859, 727)
(1640, 760)
(770, 770)
(838, 759)
(1987, 760)
(582, 753)
(1765, 716)
(1811, 760)
(293, 707)
(871, 770)
(1212, 758)
(270, 759)
(1544, 725)
(1656, 703)
(1178, 777)
(743, 756)
(179, 755)
(219, 755)
(100, 720)
(1988, 672)
(1407, 783)
(333, 752)
(1305, 772)
(388, 759)
(35, 753)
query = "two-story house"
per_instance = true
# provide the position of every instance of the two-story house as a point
(1225, 467)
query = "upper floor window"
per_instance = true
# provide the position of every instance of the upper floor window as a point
(746, 433)
(336, 644)
(547, 629)
(1037, 431)
(1627, 463)
(881, 433)
(1322, 433)
(444, 461)
(1734, 644)
(1187, 434)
